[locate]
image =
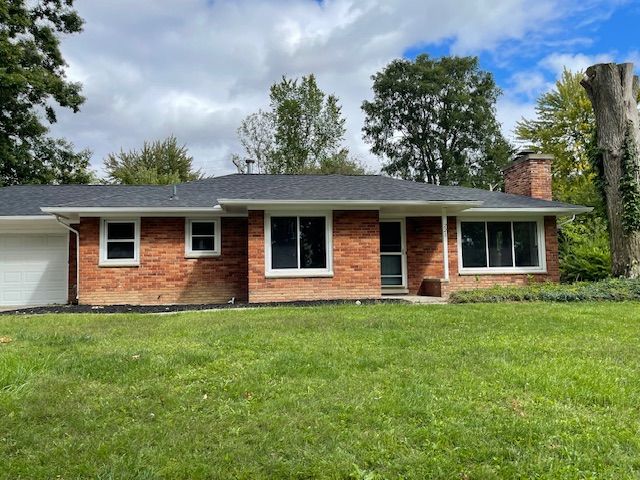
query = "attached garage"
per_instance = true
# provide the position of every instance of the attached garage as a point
(33, 268)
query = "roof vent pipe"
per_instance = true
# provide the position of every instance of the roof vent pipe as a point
(249, 163)
(174, 194)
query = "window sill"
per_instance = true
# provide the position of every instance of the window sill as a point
(297, 274)
(196, 255)
(501, 271)
(118, 264)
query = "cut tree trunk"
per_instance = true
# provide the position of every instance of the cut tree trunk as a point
(613, 91)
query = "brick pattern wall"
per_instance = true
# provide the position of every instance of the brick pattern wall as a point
(356, 262)
(463, 282)
(165, 276)
(530, 177)
(424, 251)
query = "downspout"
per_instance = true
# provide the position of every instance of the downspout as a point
(445, 244)
(77, 253)
(566, 222)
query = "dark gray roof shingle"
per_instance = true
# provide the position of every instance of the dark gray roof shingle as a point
(27, 199)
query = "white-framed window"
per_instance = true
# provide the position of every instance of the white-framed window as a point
(298, 245)
(501, 246)
(120, 242)
(202, 237)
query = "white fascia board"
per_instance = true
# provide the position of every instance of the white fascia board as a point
(529, 211)
(29, 223)
(352, 203)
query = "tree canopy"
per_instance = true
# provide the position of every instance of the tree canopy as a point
(160, 162)
(433, 120)
(302, 132)
(32, 81)
(565, 127)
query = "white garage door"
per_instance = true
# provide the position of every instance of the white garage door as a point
(33, 269)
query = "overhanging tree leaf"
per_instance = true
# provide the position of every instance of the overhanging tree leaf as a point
(32, 81)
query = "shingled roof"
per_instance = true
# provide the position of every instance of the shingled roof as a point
(28, 200)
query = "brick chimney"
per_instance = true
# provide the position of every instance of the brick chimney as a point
(529, 174)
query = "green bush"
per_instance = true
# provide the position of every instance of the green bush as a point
(613, 289)
(584, 252)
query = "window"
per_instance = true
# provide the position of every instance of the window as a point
(501, 246)
(298, 245)
(202, 238)
(120, 242)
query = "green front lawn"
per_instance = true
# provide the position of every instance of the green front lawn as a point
(386, 391)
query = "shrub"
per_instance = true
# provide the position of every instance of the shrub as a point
(584, 252)
(613, 289)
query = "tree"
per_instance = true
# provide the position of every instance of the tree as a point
(303, 132)
(61, 164)
(161, 162)
(256, 135)
(32, 79)
(565, 126)
(340, 163)
(54, 161)
(434, 121)
(613, 91)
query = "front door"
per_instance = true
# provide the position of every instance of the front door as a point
(392, 255)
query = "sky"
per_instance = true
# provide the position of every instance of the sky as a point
(196, 68)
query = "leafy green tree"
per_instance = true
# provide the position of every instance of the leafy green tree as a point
(32, 80)
(256, 134)
(161, 162)
(302, 132)
(565, 127)
(434, 121)
(340, 163)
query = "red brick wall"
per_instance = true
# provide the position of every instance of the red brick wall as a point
(530, 176)
(462, 282)
(424, 251)
(356, 262)
(165, 276)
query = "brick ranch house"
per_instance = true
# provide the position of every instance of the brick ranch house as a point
(265, 238)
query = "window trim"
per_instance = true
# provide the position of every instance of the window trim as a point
(298, 272)
(542, 248)
(119, 262)
(217, 240)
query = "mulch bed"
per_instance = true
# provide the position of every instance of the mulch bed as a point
(185, 308)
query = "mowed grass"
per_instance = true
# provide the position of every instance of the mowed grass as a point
(385, 391)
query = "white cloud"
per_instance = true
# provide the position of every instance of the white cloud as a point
(512, 110)
(579, 62)
(195, 68)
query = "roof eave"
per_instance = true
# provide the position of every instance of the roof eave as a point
(528, 210)
(239, 202)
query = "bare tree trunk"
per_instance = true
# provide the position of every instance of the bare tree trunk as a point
(613, 91)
